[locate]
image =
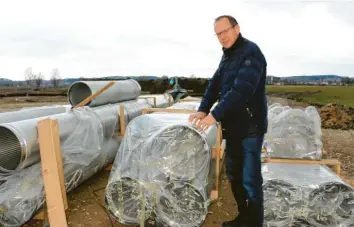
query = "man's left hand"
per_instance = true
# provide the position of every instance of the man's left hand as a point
(205, 123)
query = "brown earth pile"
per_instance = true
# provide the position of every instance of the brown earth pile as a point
(336, 116)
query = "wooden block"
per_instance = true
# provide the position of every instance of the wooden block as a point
(214, 195)
(109, 167)
(48, 137)
(39, 216)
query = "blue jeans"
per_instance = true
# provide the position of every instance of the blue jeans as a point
(243, 168)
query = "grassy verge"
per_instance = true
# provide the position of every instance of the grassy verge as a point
(316, 95)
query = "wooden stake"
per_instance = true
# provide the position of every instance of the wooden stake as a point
(53, 181)
(91, 97)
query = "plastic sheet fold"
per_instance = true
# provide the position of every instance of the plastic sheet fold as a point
(293, 133)
(161, 169)
(306, 195)
(85, 151)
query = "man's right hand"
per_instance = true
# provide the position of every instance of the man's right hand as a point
(195, 117)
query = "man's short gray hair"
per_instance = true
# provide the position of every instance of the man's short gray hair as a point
(231, 19)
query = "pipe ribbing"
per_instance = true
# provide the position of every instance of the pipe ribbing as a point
(30, 113)
(122, 90)
(19, 145)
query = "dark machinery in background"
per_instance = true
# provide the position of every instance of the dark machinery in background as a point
(175, 90)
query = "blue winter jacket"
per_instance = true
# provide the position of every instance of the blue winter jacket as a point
(239, 86)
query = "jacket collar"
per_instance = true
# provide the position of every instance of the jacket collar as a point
(238, 44)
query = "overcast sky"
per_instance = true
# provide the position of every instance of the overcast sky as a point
(175, 38)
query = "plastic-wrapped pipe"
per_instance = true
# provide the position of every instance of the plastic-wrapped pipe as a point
(294, 133)
(19, 147)
(158, 151)
(30, 113)
(162, 100)
(84, 153)
(122, 90)
(304, 194)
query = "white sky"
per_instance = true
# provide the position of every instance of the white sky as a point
(175, 38)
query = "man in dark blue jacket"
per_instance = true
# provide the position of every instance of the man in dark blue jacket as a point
(239, 87)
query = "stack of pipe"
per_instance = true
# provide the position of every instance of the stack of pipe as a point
(87, 145)
(85, 151)
(306, 195)
(161, 169)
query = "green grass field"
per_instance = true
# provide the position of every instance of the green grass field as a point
(316, 95)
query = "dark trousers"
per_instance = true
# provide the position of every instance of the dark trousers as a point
(243, 168)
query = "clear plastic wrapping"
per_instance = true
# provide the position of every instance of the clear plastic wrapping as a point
(162, 169)
(293, 133)
(85, 151)
(306, 195)
(192, 105)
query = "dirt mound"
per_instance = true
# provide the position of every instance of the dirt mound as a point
(336, 116)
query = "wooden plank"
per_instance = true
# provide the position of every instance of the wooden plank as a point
(91, 97)
(150, 97)
(302, 161)
(189, 100)
(122, 120)
(146, 110)
(59, 162)
(329, 162)
(47, 131)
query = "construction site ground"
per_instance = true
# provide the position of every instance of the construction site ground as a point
(86, 201)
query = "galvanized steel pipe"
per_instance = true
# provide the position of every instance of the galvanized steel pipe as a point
(19, 145)
(30, 113)
(122, 90)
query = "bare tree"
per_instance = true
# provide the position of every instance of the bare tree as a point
(29, 76)
(38, 79)
(55, 78)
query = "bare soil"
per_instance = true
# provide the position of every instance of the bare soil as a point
(86, 203)
(16, 103)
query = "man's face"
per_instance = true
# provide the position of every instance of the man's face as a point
(226, 33)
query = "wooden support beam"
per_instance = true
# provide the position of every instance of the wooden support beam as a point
(122, 123)
(149, 110)
(91, 97)
(52, 172)
(150, 97)
(329, 162)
